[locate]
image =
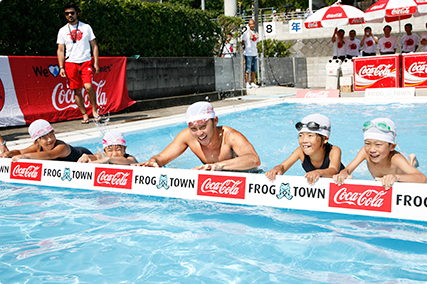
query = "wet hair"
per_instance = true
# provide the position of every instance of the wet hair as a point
(368, 28)
(71, 5)
(387, 26)
(409, 25)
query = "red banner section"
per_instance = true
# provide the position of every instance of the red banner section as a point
(376, 72)
(221, 186)
(317, 94)
(414, 70)
(42, 93)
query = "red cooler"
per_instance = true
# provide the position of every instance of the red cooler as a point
(376, 72)
(414, 67)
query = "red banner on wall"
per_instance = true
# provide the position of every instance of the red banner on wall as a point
(414, 67)
(36, 90)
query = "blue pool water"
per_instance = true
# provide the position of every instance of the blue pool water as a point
(54, 235)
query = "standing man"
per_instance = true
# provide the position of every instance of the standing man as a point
(75, 41)
(369, 43)
(387, 44)
(410, 41)
(353, 45)
(249, 41)
(340, 46)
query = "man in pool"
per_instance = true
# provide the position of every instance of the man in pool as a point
(218, 147)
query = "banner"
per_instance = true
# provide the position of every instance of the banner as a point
(359, 197)
(33, 89)
(414, 67)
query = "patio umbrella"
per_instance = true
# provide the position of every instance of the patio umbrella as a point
(391, 10)
(334, 16)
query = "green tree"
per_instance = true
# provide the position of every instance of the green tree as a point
(275, 48)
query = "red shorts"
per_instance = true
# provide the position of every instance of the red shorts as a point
(78, 74)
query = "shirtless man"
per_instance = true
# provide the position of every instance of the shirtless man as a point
(218, 147)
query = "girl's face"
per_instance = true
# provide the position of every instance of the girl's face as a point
(310, 142)
(378, 150)
(48, 141)
(115, 151)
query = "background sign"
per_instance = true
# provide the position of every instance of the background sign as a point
(269, 28)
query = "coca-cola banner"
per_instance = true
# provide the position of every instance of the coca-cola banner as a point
(317, 94)
(414, 67)
(33, 89)
(376, 72)
(360, 197)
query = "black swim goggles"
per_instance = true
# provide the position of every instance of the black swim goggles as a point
(313, 126)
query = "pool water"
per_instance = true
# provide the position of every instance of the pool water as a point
(59, 235)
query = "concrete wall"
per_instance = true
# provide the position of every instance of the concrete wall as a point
(228, 73)
(149, 78)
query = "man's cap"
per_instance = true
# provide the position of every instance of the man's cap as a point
(198, 111)
(39, 128)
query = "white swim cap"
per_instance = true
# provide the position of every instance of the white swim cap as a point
(113, 138)
(39, 128)
(320, 124)
(199, 111)
(382, 129)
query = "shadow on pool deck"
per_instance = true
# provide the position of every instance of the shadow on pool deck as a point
(181, 104)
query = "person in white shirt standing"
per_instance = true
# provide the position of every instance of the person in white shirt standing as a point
(75, 42)
(249, 43)
(353, 45)
(424, 41)
(340, 46)
(387, 44)
(410, 41)
(369, 43)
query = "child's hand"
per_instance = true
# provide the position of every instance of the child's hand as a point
(84, 159)
(271, 174)
(17, 157)
(150, 163)
(387, 181)
(339, 178)
(209, 167)
(312, 176)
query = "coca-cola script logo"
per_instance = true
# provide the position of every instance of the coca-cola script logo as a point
(417, 67)
(26, 171)
(382, 70)
(361, 197)
(117, 178)
(316, 95)
(63, 98)
(400, 11)
(221, 186)
(313, 25)
(334, 16)
(357, 21)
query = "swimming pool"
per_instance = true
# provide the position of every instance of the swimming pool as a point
(77, 236)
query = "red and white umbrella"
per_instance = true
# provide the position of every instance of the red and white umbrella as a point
(334, 16)
(395, 10)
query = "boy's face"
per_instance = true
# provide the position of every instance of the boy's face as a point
(387, 31)
(352, 35)
(115, 151)
(378, 150)
(48, 141)
(368, 32)
(408, 30)
(310, 142)
(203, 132)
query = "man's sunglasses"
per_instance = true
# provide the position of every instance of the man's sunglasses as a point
(69, 13)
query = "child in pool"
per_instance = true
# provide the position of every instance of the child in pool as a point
(318, 157)
(114, 145)
(384, 163)
(46, 146)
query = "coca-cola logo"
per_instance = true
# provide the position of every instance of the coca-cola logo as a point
(26, 171)
(117, 178)
(370, 42)
(313, 25)
(409, 42)
(221, 186)
(387, 44)
(334, 16)
(361, 197)
(382, 70)
(76, 35)
(63, 98)
(316, 95)
(357, 21)
(400, 11)
(353, 46)
(417, 67)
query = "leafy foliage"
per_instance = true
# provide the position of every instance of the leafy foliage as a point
(122, 28)
(275, 48)
(228, 25)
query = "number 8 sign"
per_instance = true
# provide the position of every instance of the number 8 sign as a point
(270, 28)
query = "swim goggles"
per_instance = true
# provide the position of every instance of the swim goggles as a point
(109, 142)
(198, 122)
(314, 126)
(379, 125)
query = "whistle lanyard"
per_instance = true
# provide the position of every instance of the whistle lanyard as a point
(74, 38)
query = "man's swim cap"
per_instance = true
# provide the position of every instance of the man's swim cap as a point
(39, 128)
(321, 120)
(199, 111)
(382, 129)
(113, 138)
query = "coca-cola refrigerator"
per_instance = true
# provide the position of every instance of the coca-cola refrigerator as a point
(376, 72)
(414, 69)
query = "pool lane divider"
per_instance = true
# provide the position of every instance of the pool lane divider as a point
(358, 197)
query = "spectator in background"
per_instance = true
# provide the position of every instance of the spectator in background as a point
(410, 41)
(274, 16)
(307, 13)
(340, 46)
(249, 43)
(369, 43)
(227, 48)
(353, 45)
(424, 41)
(387, 44)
